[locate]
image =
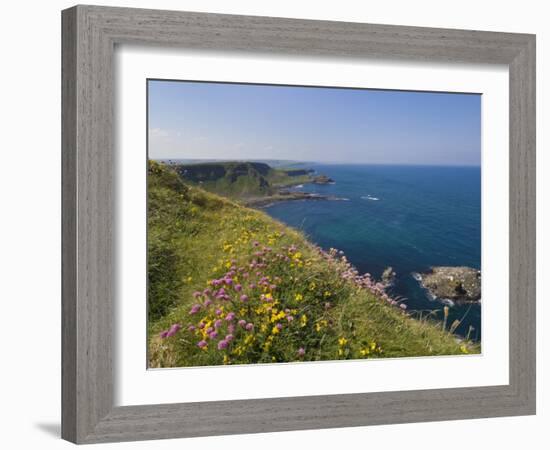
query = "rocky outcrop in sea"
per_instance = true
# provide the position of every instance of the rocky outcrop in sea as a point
(457, 284)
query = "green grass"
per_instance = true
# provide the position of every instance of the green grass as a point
(239, 180)
(195, 237)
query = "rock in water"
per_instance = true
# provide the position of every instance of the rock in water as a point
(459, 284)
(388, 277)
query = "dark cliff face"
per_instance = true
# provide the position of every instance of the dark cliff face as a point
(214, 171)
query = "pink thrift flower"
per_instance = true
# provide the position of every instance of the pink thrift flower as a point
(279, 327)
(403, 306)
(218, 323)
(231, 328)
(202, 344)
(290, 318)
(249, 326)
(229, 337)
(163, 334)
(230, 316)
(213, 335)
(192, 328)
(207, 302)
(222, 344)
(218, 312)
(173, 329)
(197, 294)
(301, 351)
(242, 323)
(238, 287)
(195, 309)
(244, 298)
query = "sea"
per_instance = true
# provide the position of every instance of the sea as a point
(406, 217)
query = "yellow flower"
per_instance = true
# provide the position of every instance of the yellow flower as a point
(303, 320)
(365, 352)
(275, 330)
(299, 297)
(373, 345)
(342, 341)
(225, 359)
(464, 349)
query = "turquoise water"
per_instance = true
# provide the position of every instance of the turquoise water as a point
(407, 217)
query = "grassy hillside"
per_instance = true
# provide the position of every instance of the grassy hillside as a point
(240, 179)
(230, 285)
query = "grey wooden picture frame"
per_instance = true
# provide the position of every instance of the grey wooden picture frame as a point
(90, 34)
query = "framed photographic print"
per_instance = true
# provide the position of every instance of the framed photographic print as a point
(268, 222)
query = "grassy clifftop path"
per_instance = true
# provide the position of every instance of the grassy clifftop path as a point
(229, 285)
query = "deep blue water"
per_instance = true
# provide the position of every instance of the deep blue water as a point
(424, 216)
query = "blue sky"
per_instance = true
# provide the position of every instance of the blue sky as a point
(190, 120)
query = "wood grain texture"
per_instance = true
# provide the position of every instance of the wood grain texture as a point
(89, 36)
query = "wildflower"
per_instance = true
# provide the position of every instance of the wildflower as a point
(242, 323)
(218, 323)
(202, 344)
(299, 297)
(218, 312)
(238, 287)
(303, 320)
(197, 294)
(195, 309)
(163, 334)
(231, 328)
(289, 318)
(230, 316)
(328, 305)
(229, 337)
(244, 298)
(342, 341)
(403, 306)
(301, 351)
(222, 344)
(213, 335)
(228, 281)
(249, 326)
(192, 328)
